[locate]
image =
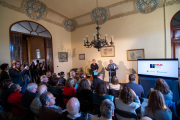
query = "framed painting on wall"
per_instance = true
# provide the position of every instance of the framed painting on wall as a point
(81, 56)
(63, 56)
(108, 51)
(133, 55)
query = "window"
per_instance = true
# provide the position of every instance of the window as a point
(38, 54)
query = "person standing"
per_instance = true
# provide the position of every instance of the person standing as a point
(114, 67)
(32, 69)
(17, 75)
(4, 73)
(94, 68)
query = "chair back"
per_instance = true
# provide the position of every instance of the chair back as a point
(114, 93)
(125, 114)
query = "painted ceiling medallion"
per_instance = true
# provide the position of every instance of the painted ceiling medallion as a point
(147, 6)
(70, 25)
(100, 15)
(35, 9)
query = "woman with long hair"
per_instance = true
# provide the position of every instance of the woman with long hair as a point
(101, 93)
(163, 87)
(156, 108)
(69, 89)
(84, 91)
(128, 101)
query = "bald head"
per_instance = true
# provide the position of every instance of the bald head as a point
(145, 118)
(73, 106)
(42, 89)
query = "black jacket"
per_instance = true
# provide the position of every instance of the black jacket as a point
(96, 81)
(93, 67)
(17, 75)
(4, 75)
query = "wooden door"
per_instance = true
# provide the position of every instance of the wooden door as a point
(49, 55)
(16, 47)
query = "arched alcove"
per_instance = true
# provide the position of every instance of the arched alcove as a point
(30, 30)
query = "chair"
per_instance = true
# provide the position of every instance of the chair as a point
(16, 107)
(97, 109)
(60, 99)
(113, 92)
(125, 114)
(84, 106)
(3, 116)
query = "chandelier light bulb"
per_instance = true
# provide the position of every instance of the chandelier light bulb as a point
(84, 39)
(94, 34)
(87, 36)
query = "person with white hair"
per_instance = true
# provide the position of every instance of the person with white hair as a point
(44, 81)
(36, 103)
(106, 109)
(73, 107)
(29, 95)
(113, 67)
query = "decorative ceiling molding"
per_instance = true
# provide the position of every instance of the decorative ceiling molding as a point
(112, 10)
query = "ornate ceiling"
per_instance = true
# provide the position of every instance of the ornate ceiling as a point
(72, 14)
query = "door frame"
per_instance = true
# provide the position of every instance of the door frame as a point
(15, 32)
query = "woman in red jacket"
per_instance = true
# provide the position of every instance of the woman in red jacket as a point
(69, 89)
(15, 98)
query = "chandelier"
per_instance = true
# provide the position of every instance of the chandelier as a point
(97, 42)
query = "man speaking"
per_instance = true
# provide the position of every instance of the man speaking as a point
(113, 67)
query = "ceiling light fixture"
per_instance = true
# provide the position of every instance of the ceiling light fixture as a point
(97, 43)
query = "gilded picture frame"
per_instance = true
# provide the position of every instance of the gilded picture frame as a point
(133, 55)
(108, 51)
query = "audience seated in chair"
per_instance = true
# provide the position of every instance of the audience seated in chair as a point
(125, 102)
(62, 80)
(48, 75)
(44, 81)
(73, 107)
(138, 89)
(69, 89)
(156, 108)
(97, 80)
(84, 93)
(163, 87)
(114, 87)
(101, 93)
(106, 110)
(29, 95)
(15, 98)
(55, 88)
(36, 103)
(6, 84)
(145, 118)
(49, 111)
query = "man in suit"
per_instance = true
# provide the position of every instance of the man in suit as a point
(17, 75)
(138, 89)
(49, 111)
(32, 69)
(98, 79)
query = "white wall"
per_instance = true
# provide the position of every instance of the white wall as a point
(59, 36)
(136, 31)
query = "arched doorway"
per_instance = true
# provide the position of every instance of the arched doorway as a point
(27, 30)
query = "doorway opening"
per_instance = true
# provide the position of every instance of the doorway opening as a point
(30, 41)
(175, 37)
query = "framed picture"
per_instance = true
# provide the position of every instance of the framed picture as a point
(63, 56)
(108, 51)
(133, 55)
(81, 56)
